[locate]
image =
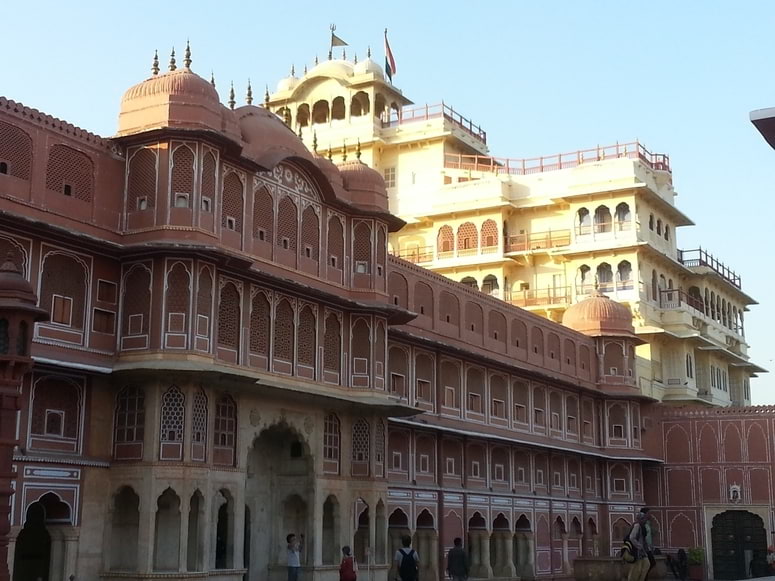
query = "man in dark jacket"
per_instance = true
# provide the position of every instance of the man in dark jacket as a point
(457, 562)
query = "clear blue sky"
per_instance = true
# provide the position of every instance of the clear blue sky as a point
(540, 77)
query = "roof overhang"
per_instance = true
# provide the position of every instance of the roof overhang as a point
(764, 121)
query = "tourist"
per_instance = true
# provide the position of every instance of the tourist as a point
(649, 544)
(457, 562)
(640, 567)
(407, 560)
(348, 569)
(294, 557)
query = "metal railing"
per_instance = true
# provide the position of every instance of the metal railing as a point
(415, 255)
(537, 240)
(514, 166)
(698, 257)
(437, 111)
(676, 298)
(541, 297)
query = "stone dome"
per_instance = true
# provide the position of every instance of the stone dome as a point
(369, 66)
(12, 281)
(333, 68)
(287, 84)
(365, 184)
(267, 140)
(179, 99)
(329, 169)
(599, 315)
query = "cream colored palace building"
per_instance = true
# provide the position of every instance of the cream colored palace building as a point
(540, 233)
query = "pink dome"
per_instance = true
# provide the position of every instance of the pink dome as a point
(599, 315)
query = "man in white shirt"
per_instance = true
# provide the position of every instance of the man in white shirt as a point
(407, 560)
(294, 557)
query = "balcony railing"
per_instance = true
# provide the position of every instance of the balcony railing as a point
(512, 166)
(541, 297)
(415, 255)
(438, 111)
(699, 257)
(676, 299)
(538, 240)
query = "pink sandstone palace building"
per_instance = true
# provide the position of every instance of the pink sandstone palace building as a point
(232, 355)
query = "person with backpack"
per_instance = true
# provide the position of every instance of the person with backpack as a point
(649, 543)
(348, 569)
(637, 537)
(407, 560)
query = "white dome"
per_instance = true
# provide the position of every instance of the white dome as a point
(369, 66)
(332, 68)
(287, 84)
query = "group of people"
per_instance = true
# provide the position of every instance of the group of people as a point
(406, 559)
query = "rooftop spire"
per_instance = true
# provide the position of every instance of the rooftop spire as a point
(368, 52)
(315, 141)
(173, 66)
(293, 70)
(330, 155)
(358, 150)
(187, 56)
(232, 102)
(344, 150)
(266, 98)
(305, 70)
(316, 60)
(344, 54)
(249, 97)
(212, 79)
(155, 65)
(355, 58)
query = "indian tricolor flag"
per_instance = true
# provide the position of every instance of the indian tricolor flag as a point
(390, 62)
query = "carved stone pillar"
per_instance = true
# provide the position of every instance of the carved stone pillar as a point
(528, 569)
(474, 553)
(565, 561)
(486, 566)
(507, 565)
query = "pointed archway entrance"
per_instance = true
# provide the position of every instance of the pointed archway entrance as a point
(739, 545)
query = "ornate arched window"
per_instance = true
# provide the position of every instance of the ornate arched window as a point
(199, 427)
(129, 424)
(173, 420)
(331, 444)
(225, 431)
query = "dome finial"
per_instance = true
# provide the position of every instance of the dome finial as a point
(301, 134)
(293, 70)
(187, 56)
(212, 78)
(155, 65)
(173, 66)
(232, 102)
(266, 97)
(344, 150)
(249, 97)
(330, 155)
(358, 150)
(355, 58)
(315, 141)
(344, 54)
(368, 52)
(305, 70)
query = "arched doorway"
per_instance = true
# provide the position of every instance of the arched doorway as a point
(739, 545)
(278, 493)
(32, 556)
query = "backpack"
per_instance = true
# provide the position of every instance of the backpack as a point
(628, 552)
(408, 569)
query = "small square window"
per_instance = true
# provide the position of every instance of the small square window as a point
(107, 291)
(423, 390)
(397, 385)
(539, 417)
(361, 267)
(181, 200)
(3, 167)
(539, 477)
(499, 473)
(397, 461)
(450, 466)
(475, 469)
(390, 177)
(308, 251)
(498, 409)
(135, 325)
(450, 400)
(61, 310)
(474, 403)
(142, 203)
(231, 223)
(588, 483)
(206, 204)
(104, 322)
(424, 464)
(67, 190)
(521, 475)
(557, 479)
(55, 423)
(618, 431)
(379, 270)
(620, 485)
(573, 481)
